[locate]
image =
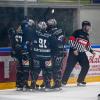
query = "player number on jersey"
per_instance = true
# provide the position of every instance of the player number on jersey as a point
(42, 43)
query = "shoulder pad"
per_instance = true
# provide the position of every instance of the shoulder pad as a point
(57, 32)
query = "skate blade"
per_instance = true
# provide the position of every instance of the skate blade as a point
(58, 89)
(31, 90)
(24, 90)
(40, 89)
(53, 90)
(81, 85)
(63, 85)
(48, 90)
(19, 89)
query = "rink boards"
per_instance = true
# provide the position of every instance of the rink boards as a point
(8, 68)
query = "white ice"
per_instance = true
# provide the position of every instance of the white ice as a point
(70, 92)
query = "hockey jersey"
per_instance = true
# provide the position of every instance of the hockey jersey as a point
(28, 31)
(41, 45)
(57, 43)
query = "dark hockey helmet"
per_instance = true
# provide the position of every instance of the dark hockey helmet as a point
(26, 18)
(28, 22)
(52, 22)
(84, 23)
(42, 25)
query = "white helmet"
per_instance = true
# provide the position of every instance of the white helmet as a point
(52, 22)
(42, 25)
(31, 22)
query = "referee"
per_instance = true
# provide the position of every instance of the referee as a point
(79, 44)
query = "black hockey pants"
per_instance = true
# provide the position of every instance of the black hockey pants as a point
(46, 72)
(57, 63)
(82, 59)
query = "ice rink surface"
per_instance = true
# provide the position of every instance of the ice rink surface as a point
(70, 92)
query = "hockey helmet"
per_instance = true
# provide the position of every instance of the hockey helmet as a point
(42, 25)
(52, 22)
(31, 22)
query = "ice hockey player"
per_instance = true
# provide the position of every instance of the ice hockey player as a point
(21, 51)
(42, 55)
(79, 43)
(57, 51)
(16, 44)
(28, 29)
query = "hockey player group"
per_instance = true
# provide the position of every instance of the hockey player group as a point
(37, 48)
(40, 48)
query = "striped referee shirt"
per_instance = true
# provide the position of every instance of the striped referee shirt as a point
(80, 41)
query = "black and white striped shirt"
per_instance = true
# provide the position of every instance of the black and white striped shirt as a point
(79, 41)
(78, 46)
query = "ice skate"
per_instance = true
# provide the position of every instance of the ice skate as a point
(37, 87)
(42, 86)
(64, 84)
(47, 89)
(58, 86)
(32, 87)
(83, 84)
(24, 89)
(58, 89)
(19, 89)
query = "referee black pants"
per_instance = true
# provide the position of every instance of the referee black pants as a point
(82, 59)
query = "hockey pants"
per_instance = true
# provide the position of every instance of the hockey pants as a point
(57, 62)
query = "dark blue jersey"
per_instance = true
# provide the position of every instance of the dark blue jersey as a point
(41, 45)
(57, 43)
(15, 38)
(28, 31)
